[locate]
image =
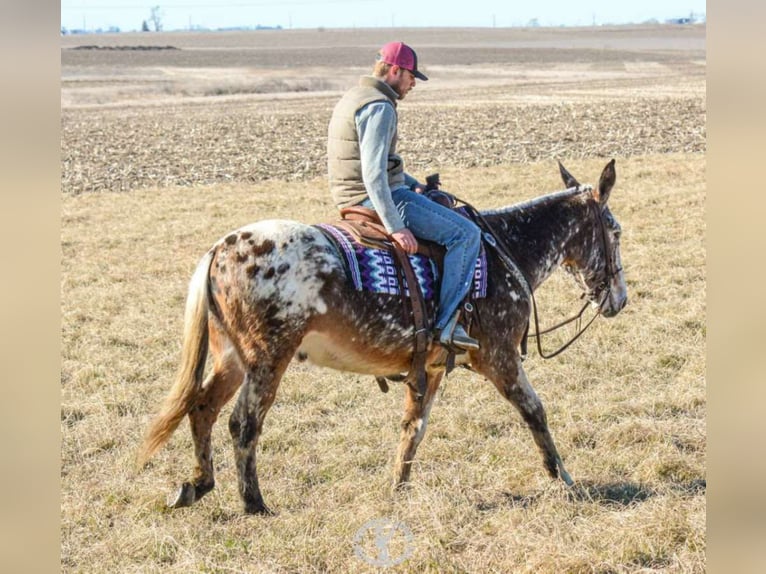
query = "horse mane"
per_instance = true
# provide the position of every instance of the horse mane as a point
(525, 234)
(541, 201)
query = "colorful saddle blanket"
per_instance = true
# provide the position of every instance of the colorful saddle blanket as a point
(375, 270)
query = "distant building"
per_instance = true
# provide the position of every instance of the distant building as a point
(679, 21)
(247, 28)
(690, 19)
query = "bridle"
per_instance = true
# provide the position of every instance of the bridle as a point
(600, 293)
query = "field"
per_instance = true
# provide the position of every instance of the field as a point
(165, 150)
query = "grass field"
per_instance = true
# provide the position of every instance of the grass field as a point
(165, 151)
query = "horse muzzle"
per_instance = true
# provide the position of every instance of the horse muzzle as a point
(613, 305)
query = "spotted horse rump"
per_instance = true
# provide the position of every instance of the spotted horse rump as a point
(277, 288)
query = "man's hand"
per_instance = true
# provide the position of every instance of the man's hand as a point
(406, 240)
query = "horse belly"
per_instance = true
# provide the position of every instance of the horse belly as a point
(345, 353)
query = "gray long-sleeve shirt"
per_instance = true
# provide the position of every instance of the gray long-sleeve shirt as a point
(376, 125)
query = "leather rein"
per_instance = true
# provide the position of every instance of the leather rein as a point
(601, 291)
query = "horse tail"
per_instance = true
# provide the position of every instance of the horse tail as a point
(188, 382)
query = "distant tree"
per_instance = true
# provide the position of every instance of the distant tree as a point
(156, 18)
(145, 26)
(533, 23)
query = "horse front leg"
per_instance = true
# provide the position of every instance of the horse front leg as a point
(519, 392)
(414, 425)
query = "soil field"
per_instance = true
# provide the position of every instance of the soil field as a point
(165, 150)
(249, 107)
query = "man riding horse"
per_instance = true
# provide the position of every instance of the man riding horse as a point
(277, 289)
(365, 170)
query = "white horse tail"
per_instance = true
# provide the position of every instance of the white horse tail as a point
(188, 382)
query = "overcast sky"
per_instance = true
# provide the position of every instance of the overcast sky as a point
(183, 14)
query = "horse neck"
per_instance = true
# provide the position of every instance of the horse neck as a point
(543, 232)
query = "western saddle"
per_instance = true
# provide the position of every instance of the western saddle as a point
(365, 226)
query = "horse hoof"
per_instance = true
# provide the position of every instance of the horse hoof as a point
(185, 496)
(261, 509)
(401, 486)
(565, 477)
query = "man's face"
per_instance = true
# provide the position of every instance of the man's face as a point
(402, 81)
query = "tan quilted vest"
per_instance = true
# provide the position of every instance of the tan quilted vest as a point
(344, 167)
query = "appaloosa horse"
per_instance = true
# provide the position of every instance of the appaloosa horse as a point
(276, 288)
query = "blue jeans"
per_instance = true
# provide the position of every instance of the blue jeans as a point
(427, 219)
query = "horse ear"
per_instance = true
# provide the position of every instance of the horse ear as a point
(605, 183)
(568, 178)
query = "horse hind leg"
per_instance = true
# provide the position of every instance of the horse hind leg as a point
(262, 379)
(414, 425)
(220, 388)
(521, 394)
(217, 390)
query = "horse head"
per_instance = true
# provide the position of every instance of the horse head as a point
(597, 268)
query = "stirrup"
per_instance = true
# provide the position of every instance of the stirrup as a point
(463, 340)
(453, 336)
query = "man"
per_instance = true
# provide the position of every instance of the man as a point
(364, 169)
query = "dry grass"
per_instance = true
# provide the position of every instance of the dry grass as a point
(626, 404)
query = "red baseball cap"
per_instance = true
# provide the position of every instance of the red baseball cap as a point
(400, 54)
